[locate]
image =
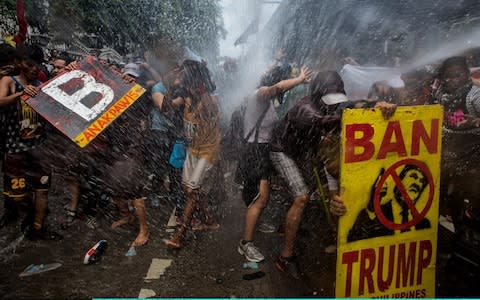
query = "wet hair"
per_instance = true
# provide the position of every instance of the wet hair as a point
(275, 75)
(65, 57)
(35, 52)
(459, 61)
(324, 83)
(8, 55)
(196, 76)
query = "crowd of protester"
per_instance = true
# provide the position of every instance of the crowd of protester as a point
(280, 134)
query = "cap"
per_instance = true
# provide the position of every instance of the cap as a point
(132, 69)
(334, 98)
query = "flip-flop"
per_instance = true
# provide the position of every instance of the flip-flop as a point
(172, 245)
(37, 269)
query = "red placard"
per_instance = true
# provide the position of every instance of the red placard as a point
(83, 102)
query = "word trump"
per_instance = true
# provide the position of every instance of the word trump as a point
(359, 146)
(88, 85)
(378, 271)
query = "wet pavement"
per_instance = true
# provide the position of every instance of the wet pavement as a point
(208, 265)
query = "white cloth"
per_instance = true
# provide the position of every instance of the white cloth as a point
(253, 112)
(195, 172)
(358, 79)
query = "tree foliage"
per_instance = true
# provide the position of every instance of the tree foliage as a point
(127, 25)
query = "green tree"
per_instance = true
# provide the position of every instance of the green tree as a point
(129, 25)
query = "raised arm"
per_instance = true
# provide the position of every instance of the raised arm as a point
(269, 92)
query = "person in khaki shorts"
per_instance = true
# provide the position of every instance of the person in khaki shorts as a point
(202, 132)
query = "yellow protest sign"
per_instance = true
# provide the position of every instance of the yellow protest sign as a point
(390, 176)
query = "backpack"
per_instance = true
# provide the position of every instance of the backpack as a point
(234, 142)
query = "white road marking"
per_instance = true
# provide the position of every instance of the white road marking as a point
(171, 221)
(157, 268)
(146, 293)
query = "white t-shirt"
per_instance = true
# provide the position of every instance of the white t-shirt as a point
(255, 108)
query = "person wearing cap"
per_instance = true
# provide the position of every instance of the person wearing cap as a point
(132, 70)
(297, 139)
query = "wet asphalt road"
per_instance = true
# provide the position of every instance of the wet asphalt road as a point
(208, 266)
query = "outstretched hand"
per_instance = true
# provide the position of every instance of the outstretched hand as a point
(305, 74)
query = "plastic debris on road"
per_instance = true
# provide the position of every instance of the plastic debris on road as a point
(37, 269)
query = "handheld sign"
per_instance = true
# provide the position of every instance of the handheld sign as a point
(83, 102)
(390, 176)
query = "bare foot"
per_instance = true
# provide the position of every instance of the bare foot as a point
(122, 221)
(173, 243)
(141, 239)
(206, 227)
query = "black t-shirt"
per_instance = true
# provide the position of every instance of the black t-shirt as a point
(23, 128)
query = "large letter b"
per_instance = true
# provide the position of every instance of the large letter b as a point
(73, 101)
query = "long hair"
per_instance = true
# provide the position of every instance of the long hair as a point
(196, 77)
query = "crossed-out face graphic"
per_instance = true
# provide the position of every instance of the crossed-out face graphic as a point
(387, 212)
(414, 182)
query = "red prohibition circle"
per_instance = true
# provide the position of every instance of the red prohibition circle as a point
(417, 216)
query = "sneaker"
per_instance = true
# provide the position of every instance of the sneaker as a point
(94, 253)
(289, 266)
(266, 228)
(250, 251)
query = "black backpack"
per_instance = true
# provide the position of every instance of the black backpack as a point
(234, 141)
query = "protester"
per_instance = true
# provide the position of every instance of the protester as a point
(202, 132)
(126, 176)
(255, 166)
(417, 89)
(461, 132)
(295, 142)
(166, 128)
(299, 132)
(25, 170)
(59, 64)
